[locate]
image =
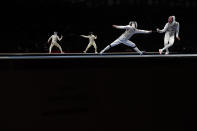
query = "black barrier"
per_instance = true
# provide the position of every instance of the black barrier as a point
(99, 94)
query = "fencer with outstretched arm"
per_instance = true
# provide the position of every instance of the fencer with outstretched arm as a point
(54, 38)
(131, 29)
(92, 42)
(171, 29)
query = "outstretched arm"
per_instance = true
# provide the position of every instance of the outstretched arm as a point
(84, 36)
(120, 27)
(143, 31)
(164, 29)
(177, 32)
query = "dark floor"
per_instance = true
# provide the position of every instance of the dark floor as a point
(98, 93)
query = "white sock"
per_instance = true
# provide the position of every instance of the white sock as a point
(137, 50)
(107, 48)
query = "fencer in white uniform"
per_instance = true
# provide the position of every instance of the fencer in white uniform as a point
(92, 42)
(131, 29)
(54, 38)
(170, 29)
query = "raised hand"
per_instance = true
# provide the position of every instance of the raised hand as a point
(114, 26)
(178, 38)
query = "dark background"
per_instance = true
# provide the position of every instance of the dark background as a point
(99, 94)
(96, 94)
(29, 24)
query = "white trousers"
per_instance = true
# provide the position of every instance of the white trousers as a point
(168, 42)
(55, 44)
(91, 44)
(125, 42)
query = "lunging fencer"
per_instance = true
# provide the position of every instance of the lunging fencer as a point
(92, 42)
(54, 38)
(131, 29)
(170, 29)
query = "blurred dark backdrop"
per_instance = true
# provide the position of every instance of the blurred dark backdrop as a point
(29, 24)
(96, 94)
(155, 94)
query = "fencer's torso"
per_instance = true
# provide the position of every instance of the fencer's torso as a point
(92, 38)
(130, 31)
(172, 28)
(54, 38)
